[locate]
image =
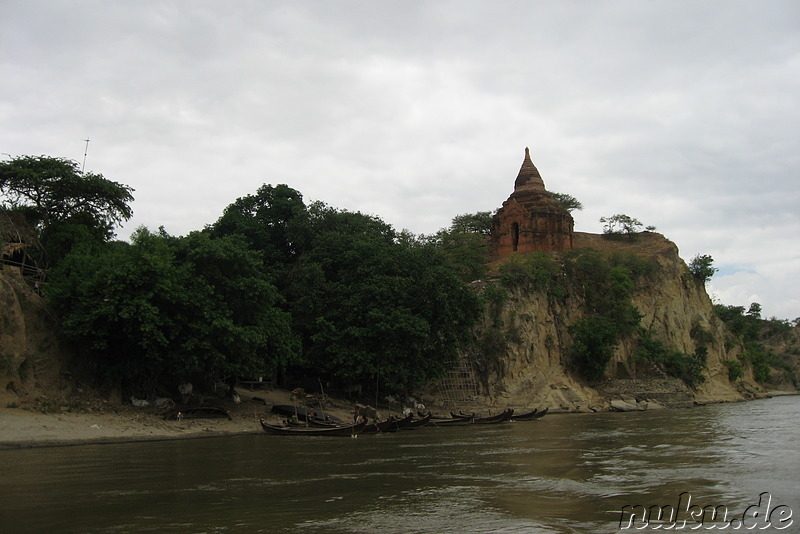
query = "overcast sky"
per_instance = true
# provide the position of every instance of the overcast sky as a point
(683, 114)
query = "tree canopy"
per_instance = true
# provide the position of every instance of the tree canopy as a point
(371, 309)
(54, 189)
(172, 309)
(621, 224)
(465, 244)
(273, 221)
(273, 285)
(62, 203)
(568, 202)
(702, 268)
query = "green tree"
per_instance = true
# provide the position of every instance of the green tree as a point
(594, 339)
(754, 311)
(465, 244)
(164, 309)
(621, 224)
(701, 267)
(610, 314)
(472, 223)
(466, 252)
(274, 221)
(61, 202)
(369, 308)
(568, 202)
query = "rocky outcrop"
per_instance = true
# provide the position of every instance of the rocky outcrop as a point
(533, 368)
(30, 355)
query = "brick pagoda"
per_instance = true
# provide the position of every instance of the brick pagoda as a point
(530, 219)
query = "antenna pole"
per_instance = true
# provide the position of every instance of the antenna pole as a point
(86, 151)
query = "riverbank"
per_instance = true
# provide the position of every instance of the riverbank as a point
(22, 428)
(103, 422)
(88, 419)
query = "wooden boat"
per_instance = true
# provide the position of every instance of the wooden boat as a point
(343, 430)
(417, 423)
(525, 416)
(493, 419)
(392, 424)
(310, 422)
(303, 413)
(453, 421)
(405, 422)
(532, 416)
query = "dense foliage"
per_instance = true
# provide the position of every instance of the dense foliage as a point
(753, 331)
(273, 287)
(606, 290)
(687, 367)
(538, 272)
(369, 308)
(65, 205)
(465, 244)
(164, 310)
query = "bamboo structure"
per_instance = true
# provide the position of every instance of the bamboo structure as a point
(460, 386)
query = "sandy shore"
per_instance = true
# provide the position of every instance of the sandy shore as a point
(21, 428)
(28, 427)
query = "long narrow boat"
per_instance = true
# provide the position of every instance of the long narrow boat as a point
(417, 423)
(453, 421)
(303, 413)
(311, 423)
(392, 424)
(530, 416)
(499, 418)
(345, 430)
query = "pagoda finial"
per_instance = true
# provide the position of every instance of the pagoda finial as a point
(529, 174)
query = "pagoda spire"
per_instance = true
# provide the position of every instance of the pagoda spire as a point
(528, 176)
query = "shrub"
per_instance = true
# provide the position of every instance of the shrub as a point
(735, 370)
(621, 224)
(701, 267)
(538, 271)
(701, 335)
(594, 341)
(687, 367)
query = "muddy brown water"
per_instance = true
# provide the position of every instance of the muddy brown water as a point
(563, 473)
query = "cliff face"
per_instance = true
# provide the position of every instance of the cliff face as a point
(533, 368)
(30, 356)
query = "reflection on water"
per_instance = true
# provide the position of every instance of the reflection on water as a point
(563, 473)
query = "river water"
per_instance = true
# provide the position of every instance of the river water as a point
(563, 473)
